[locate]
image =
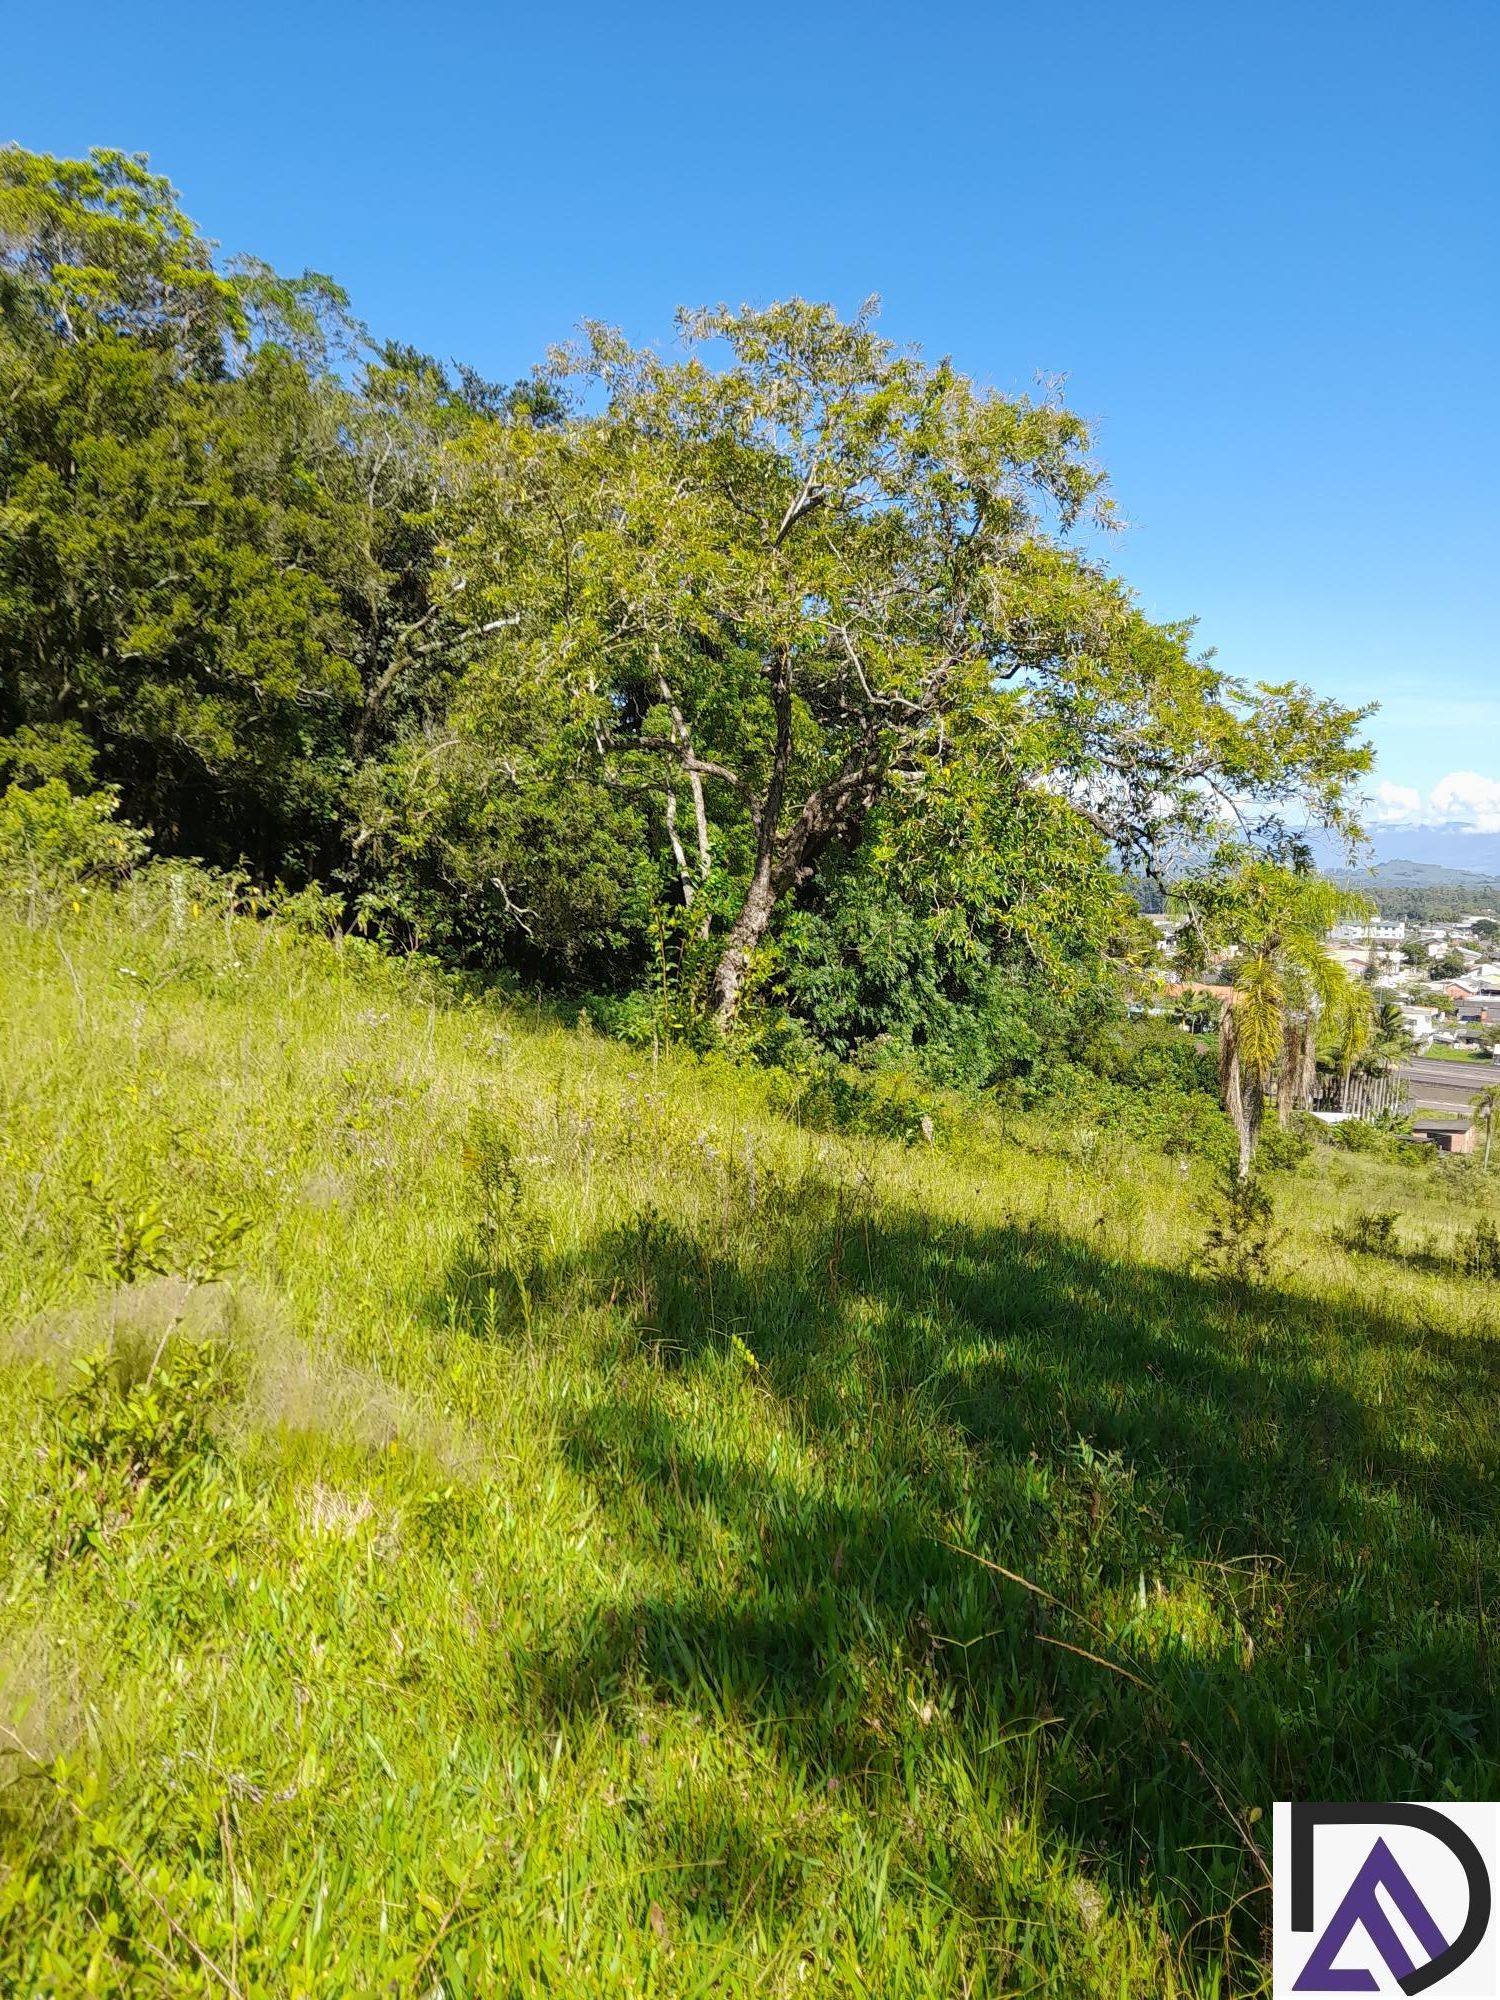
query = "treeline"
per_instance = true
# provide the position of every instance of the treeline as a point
(761, 684)
(1438, 903)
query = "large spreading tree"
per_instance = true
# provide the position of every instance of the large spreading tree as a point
(795, 577)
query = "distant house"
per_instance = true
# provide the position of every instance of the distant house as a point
(1420, 1023)
(1376, 931)
(1449, 1135)
(1480, 1013)
(1357, 960)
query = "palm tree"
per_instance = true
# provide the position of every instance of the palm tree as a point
(1353, 1020)
(1268, 1033)
(1486, 1106)
(1285, 986)
(1394, 1043)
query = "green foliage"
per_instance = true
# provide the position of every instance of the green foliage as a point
(889, 1102)
(1431, 904)
(1285, 1148)
(55, 843)
(506, 1226)
(784, 636)
(1373, 1233)
(1289, 993)
(1479, 1249)
(216, 549)
(147, 1427)
(1242, 1235)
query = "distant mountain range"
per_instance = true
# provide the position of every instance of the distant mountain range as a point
(1445, 846)
(1426, 857)
(1420, 875)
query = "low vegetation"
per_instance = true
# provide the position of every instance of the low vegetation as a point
(487, 1508)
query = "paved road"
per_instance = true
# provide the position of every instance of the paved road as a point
(1435, 1085)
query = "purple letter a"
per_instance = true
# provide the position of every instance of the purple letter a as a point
(1362, 1906)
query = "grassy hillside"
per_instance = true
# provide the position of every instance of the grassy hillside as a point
(482, 1511)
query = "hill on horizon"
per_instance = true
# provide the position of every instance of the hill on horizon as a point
(1401, 873)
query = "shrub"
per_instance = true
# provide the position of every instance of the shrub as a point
(53, 841)
(312, 912)
(506, 1228)
(1355, 1135)
(1478, 1251)
(1242, 1234)
(885, 1103)
(1372, 1233)
(145, 1425)
(1284, 1148)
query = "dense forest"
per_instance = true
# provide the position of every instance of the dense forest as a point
(1427, 903)
(771, 674)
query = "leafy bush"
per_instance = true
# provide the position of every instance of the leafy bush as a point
(1242, 1234)
(133, 1420)
(1284, 1148)
(503, 1241)
(1383, 1138)
(54, 841)
(310, 911)
(890, 1102)
(144, 1425)
(1478, 1251)
(1355, 1135)
(1373, 1233)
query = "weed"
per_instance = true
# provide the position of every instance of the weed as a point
(1479, 1249)
(148, 1427)
(1373, 1233)
(507, 1226)
(1242, 1236)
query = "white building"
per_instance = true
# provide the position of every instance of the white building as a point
(1420, 1023)
(1374, 930)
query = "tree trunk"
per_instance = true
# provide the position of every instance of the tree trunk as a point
(1252, 1111)
(754, 919)
(746, 932)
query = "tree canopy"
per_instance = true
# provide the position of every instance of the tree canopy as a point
(792, 640)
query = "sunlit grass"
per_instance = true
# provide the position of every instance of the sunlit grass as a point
(627, 1542)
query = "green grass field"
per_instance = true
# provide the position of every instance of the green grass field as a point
(486, 1512)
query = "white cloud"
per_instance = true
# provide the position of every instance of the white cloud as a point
(1396, 805)
(1465, 799)
(1463, 802)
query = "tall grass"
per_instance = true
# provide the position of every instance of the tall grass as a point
(486, 1511)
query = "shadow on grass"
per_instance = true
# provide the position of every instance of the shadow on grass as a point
(1271, 1520)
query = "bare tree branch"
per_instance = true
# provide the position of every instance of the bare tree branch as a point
(810, 497)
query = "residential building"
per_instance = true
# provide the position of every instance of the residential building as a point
(1420, 1023)
(1449, 1135)
(1375, 930)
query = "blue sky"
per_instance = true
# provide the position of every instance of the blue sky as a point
(1258, 240)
